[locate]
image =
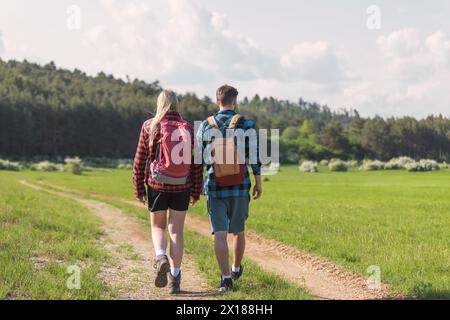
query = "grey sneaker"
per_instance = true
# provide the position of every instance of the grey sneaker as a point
(225, 285)
(174, 283)
(162, 267)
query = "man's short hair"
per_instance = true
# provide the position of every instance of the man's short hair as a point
(226, 94)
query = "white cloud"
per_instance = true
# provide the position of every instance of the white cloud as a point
(189, 45)
(401, 43)
(313, 61)
(18, 51)
(412, 78)
(439, 46)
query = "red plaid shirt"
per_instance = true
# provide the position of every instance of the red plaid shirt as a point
(144, 154)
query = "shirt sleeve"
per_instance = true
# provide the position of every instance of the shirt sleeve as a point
(196, 171)
(253, 148)
(140, 163)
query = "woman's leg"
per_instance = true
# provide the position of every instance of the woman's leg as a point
(176, 226)
(159, 237)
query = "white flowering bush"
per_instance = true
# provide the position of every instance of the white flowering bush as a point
(429, 165)
(372, 165)
(74, 165)
(353, 163)
(413, 167)
(125, 164)
(398, 163)
(443, 165)
(423, 165)
(9, 165)
(338, 165)
(309, 166)
(47, 166)
(324, 162)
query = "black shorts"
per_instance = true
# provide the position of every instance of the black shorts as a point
(160, 201)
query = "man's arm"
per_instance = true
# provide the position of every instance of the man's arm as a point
(257, 189)
(253, 156)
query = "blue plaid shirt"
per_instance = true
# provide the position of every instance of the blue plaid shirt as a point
(211, 189)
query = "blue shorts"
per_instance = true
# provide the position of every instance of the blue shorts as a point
(228, 214)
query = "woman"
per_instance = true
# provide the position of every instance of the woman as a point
(166, 200)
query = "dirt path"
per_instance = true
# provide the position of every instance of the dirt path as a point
(319, 276)
(130, 274)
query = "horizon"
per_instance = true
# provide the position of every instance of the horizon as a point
(390, 59)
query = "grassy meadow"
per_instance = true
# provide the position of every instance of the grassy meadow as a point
(40, 236)
(397, 220)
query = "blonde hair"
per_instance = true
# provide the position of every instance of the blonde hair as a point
(167, 102)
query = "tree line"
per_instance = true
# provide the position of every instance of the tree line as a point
(49, 112)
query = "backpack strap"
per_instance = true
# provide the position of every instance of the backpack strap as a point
(212, 122)
(234, 121)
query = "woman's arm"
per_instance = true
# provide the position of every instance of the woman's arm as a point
(140, 162)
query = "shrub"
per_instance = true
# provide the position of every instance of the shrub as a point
(74, 165)
(8, 165)
(353, 163)
(392, 165)
(399, 163)
(324, 162)
(124, 164)
(309, 166)
(423, 165)
(429, 165)
(413, 167)
(47, 166)
(372, 165)
(443, 165)
(100, 162)
(338, 165)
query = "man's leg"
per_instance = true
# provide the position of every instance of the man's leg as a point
(221, 250)
(217, 211)
(239, 214)
(238, 248)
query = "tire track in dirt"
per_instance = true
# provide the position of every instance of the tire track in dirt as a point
(130, 247)
(320, 276)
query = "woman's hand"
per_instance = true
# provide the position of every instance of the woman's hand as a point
(142, 199)
(192, 200)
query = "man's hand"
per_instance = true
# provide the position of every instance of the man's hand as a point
(192, 200)
(142, 199)
(257, 189)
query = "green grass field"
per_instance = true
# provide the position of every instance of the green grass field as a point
(60, 233)
(40, 236)
(396, 220)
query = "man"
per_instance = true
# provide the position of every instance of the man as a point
(228, 205)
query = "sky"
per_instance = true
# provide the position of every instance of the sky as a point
(381, 57)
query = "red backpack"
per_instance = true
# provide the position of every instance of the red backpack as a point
(226, 173)
(173, 158)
